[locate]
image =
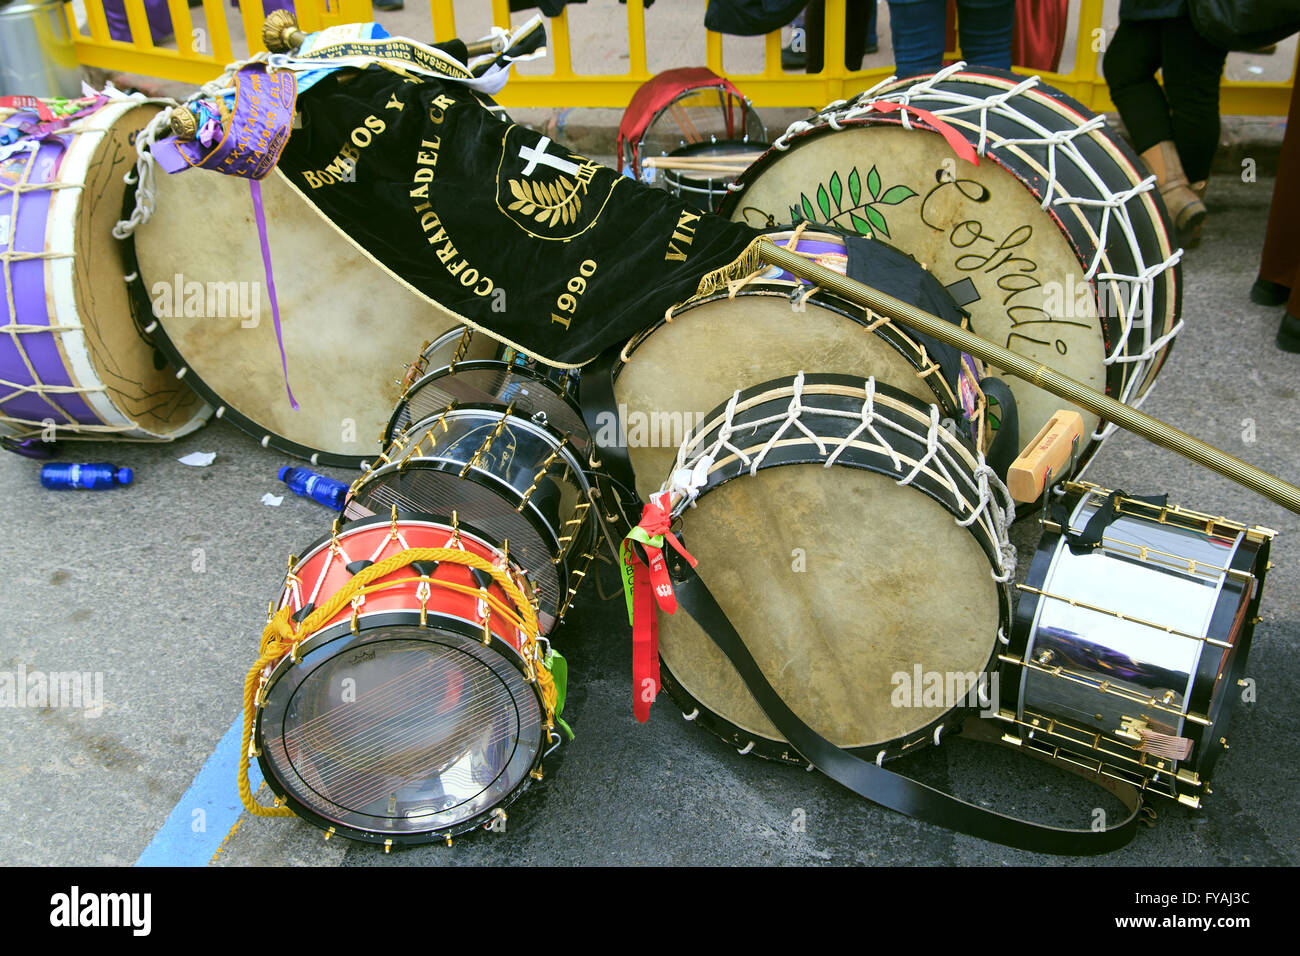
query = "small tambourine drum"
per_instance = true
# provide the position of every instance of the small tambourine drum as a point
(202, 276)
(1067, 247)
(537, 392)
(815, 506)
(706, 191)
(674, 372)
(414, 713)
(518, 480)
(72, 362)
(1126, 656)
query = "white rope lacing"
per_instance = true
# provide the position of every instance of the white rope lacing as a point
(978, 495)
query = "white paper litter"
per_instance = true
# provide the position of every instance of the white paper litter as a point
(199, 459)
(272, 500)
(1255, 69)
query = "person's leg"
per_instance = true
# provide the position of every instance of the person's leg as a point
(814, 23)
(917, 29)
(984, 31)
(1192, 68)
(873, 39)
(857, 19)
(1130, 64)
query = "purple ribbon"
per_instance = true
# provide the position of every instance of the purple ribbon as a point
(256, 188)
(259, 128)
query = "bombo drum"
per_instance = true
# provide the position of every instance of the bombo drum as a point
(1063, 242)
(1131, 633)
(817, 507)
(678, 369)
(419, 708)
(517, 479)
(203, 285)
(72, 362)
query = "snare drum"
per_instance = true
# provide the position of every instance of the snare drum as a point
(518, 480)
(1067, 247)
(545, 395)
(72, 363)
(417, 711)
(1126, 656)
(818, 506)
(200, 263)
(674, 372)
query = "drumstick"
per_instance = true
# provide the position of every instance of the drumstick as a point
(1152, 429)
(728, 159)
(725, 170)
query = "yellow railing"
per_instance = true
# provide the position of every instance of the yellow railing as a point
(565, 88)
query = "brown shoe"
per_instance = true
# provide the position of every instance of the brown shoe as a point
(1184, 205)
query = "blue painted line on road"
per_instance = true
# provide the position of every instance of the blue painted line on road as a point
(180, 841)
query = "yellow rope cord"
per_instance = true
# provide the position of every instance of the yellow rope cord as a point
(281, 637)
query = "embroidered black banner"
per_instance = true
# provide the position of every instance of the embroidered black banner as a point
(542, 248)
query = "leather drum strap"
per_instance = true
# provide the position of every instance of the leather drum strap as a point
(884, 786)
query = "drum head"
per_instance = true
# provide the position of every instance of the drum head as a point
(348, 326)
(682, 369)
(839, 581)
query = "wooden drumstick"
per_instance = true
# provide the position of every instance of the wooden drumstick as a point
(1048, 453)
(1035, 373)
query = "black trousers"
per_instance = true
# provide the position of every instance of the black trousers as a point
(1187, 109)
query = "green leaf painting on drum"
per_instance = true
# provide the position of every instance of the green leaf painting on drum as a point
(864, 218)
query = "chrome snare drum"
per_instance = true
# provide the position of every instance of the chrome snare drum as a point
(1125, 655)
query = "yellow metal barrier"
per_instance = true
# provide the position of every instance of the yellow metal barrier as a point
(565, 88)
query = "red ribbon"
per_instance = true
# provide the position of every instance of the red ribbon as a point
(651, 579)
(960, 145)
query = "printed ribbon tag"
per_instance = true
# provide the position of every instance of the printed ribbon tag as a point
(644, 586)
(251, 144)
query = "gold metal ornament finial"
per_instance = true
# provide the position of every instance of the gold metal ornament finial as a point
(280, 32)
(185, 125)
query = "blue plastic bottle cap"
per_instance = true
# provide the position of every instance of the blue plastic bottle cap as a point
(124, 476)
(284, 470)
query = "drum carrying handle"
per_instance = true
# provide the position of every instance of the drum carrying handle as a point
(876, 783)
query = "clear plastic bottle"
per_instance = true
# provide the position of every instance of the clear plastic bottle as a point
(305, 482)
(89, 476)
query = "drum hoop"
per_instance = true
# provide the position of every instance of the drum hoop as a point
(895, 334)
(471, 365)
(747, 112)
(404, 519)
(343, 630)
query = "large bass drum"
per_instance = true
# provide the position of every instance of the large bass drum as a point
(693, 359)
(815, 506)
(202, 276)
(1059, 229)
(72, 362)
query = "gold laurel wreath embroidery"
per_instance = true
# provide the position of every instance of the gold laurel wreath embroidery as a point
(543, 201)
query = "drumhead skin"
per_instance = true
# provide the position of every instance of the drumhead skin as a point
(1073, 263)
(103, 370)
(880, 589)
(677, 371)
(348, 326)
